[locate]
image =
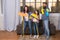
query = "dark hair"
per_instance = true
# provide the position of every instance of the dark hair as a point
(27, 9)
(37, 12)
(45, 3)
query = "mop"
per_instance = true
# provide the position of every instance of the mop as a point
(37, 31)
(22, 15)
(23, 26)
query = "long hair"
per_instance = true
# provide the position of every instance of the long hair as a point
(37, 12)
(27, 9)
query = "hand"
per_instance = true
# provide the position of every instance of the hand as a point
(37, 21)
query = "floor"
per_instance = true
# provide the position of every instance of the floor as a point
(4, 35)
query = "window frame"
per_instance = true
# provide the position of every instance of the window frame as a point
(40, 4)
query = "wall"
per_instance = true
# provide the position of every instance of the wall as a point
(55, 19)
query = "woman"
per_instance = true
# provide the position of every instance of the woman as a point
(26, 18)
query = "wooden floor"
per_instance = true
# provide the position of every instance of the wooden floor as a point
(4, 35)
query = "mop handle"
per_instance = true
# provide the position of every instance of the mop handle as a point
(37, 29)
(23, 26)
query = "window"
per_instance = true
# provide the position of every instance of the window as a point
(30, 0)
(27, 3)
(52, 5)
(21, 2)
(30, 3)
(37, 0)
(36, 4)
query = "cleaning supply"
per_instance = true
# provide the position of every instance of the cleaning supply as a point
(34, 16)
(42, 10)
(47, 12)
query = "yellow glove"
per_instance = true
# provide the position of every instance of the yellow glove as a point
(42, 11)
(47, 10)
(33, 15)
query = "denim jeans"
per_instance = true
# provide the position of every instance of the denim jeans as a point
(27, 23)
(30, 26)
(35, 26)
(46, 27)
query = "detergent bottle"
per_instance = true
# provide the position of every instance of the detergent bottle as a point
(47, 12)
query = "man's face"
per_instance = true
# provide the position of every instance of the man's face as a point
(44, 5)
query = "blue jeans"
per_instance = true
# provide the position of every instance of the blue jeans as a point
(46, 27)
(30, 26)
(27, 23)
(35, 26)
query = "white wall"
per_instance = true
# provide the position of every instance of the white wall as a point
(55, 19)
(1, 19)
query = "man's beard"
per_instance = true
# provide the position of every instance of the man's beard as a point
(44, 7)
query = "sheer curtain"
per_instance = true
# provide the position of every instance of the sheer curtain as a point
(11, 14)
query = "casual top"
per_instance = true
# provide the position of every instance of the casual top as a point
(26, 17)
(34, 17)
(45, 13)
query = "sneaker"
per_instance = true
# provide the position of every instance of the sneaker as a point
(37, 36)
(34, 36)
(30, 36)
(47, 37)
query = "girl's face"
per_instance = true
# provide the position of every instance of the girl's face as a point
(26, 9)
(36, 12)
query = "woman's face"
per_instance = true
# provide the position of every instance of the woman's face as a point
(26, 8)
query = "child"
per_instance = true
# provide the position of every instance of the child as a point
(35, 18)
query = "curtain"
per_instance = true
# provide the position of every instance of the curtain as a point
(11, 14)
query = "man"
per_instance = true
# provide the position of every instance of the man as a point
(45, 18)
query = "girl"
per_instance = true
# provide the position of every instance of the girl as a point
(35, 18)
